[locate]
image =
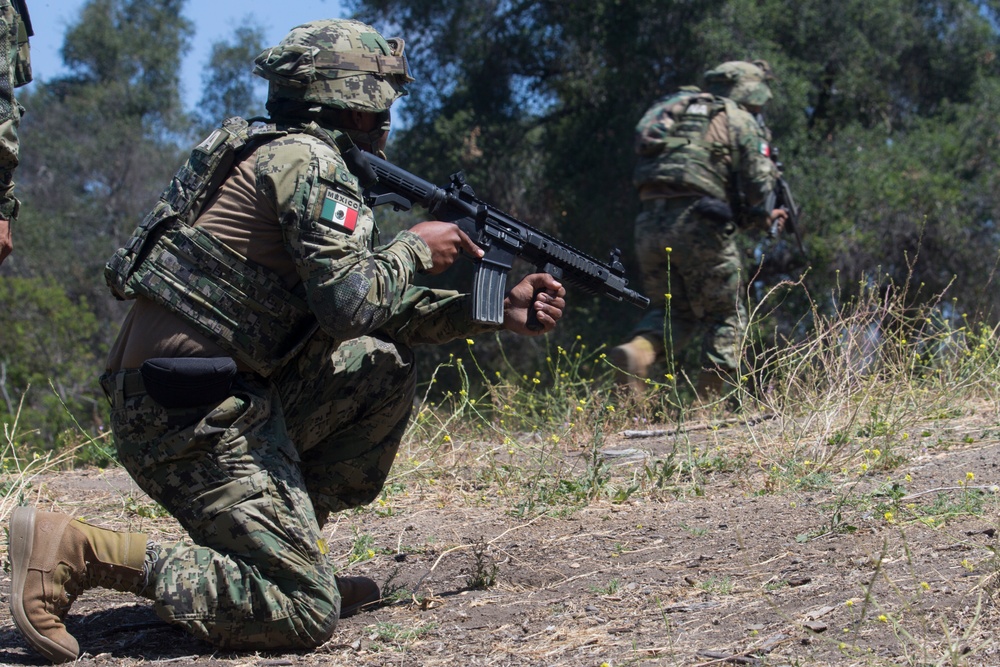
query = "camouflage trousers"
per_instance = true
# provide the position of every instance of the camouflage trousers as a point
(253, 479)
(701, 273)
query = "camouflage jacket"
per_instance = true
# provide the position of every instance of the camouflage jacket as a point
(353, 286)
(16, 67)
(258, 283)
(694, 142)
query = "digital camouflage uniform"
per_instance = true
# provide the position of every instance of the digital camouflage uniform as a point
(320, 320)
(704, 171)
(254, 478)
(16, 28)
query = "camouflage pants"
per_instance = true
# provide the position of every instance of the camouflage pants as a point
(253, 480)
(702, 275)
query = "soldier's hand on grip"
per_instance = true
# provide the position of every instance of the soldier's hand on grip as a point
(540, 294)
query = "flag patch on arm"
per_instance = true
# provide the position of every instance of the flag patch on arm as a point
(340, 211)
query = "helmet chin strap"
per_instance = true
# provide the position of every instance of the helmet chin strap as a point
(366, 140)
(370, 140)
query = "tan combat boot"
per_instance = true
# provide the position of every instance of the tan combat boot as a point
(356, 593)
(633, 359)
(55, 558)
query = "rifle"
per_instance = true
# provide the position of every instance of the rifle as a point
(784, 200)
(500, 235)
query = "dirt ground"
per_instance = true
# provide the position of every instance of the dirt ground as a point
(720, 574)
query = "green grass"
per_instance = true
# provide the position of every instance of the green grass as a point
(845, 413)
(845, 405)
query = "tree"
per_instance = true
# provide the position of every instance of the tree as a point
(99, 144)
(880, 111)
(53, 340)
(228, 84)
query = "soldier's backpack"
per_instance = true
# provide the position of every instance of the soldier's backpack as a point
(672, 148)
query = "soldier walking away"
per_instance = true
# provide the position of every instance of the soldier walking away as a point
(703, 173)
(16, 27)
(264, 377)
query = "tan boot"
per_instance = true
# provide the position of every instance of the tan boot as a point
(55, 558)
(633, 360)
(356, 593)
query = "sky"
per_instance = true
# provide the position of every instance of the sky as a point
(214, 20)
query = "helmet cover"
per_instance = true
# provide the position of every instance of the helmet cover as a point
(338, 63)
(742, 82)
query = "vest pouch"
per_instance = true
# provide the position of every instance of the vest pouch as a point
(187, 382)
(184, 198)
(21, 65)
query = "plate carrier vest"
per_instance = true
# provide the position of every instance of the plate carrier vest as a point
(240, 305)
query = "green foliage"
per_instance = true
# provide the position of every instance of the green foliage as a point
(144, 509)
(52, 338)
(362, 548)
(125, 55)
(882, 112)
(484, 569)
(229, 87)
(396, 637)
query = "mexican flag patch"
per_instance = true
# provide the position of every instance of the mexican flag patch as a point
(765, 149)
(340, 210)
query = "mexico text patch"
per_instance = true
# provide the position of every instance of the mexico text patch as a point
(340, 210)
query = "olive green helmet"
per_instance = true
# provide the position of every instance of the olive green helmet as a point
(742, 82)
(337, 63)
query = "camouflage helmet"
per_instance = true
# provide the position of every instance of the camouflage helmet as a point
(338, 63)
(742, 82)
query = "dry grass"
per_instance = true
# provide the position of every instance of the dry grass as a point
(845, 516)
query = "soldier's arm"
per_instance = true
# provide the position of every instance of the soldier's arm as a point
(758, 175)
(352, 288)
(15, 70)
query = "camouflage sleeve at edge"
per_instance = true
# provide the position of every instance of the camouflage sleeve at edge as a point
(434, 317)
(757, 170)
(10, 111)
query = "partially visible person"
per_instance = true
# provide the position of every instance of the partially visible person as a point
(16, 27)
(704, 172)
(264, 377)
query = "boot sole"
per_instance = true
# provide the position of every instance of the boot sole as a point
(22, 539)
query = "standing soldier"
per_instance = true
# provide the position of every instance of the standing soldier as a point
(704, 172)
(264, 377)
(16, 26)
